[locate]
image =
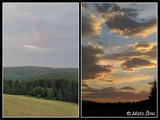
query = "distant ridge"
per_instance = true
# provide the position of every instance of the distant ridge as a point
(29, 72)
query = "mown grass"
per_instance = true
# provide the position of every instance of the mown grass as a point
(23, 106)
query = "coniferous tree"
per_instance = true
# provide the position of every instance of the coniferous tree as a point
(153, 95)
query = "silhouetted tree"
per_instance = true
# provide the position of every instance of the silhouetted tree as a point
(153, 93)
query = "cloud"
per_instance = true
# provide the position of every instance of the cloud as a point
(138, 55)
(137, 63)
(127, 88)
(116, 79)
(33, 47)
(127, 27)
(84, 6)
(124, 21)
(91, 54)
(90, 25)
(113, 94)
(139, 49)
(143, 46)
(122, 56)
(117, 47)
(128, 78)
(151, 83)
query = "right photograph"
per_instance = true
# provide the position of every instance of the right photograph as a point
(119, 59)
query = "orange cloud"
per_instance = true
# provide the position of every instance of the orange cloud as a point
(113, 94)
(143, 46)
(90, 25)
(115, 79)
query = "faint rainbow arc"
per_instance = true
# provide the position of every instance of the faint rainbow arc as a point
(37, 36)
(37, 39)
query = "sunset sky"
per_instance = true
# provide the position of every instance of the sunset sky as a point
(119, 42)
(41, 34)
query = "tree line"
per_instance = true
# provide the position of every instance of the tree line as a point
(48, 88)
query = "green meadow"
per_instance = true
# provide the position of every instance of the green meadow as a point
(26, 106)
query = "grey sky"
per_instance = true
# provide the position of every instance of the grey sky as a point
(40, 34)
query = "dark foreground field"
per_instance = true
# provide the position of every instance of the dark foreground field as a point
(137, 109)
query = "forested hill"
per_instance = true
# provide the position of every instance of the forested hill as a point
(30, 72)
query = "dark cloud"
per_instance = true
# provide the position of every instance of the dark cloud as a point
(136, 63)
(124, 21)
(105, 7)
(128, 27)
(127, 88)
(130, 12)
(90, 57)
(122, 56)
(115, 94)
(151, 83)
(110, 8)
(84, 6)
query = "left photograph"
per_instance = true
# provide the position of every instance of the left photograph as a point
(40, 73)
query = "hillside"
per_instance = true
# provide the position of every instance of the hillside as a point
(18, 105)
(30, 72)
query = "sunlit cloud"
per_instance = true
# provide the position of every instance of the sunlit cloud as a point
(143, 46)
(138, 56)
(90, 25)
(117, 47)
(115, 79)
(91, 54)
(116, 94)
(124, 21)
(127, 78)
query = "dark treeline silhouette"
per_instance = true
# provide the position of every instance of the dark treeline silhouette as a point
(147, 106)
(49, 88)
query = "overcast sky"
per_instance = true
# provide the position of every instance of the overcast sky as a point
(40, 34)
(119, 51)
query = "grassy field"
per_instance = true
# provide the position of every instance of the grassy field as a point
(18, 105)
